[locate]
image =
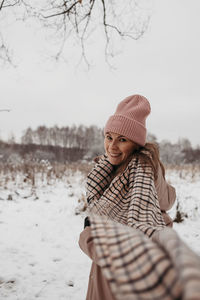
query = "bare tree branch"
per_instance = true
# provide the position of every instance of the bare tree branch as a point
(1, 5)
(79, 19)
(5, 55)
(63, 12)
(104, 20)
(8, 5)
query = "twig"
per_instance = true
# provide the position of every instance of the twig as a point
(63, 12)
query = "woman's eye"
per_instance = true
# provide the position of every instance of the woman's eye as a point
(109, 137)
(122, 140)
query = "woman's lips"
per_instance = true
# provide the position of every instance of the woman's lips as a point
(115, 154)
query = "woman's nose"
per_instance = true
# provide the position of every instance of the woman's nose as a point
(113, 145)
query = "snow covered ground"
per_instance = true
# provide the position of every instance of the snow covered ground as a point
(39, 253)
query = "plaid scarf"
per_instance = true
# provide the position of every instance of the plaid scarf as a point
(136, 266)
(141, 269)
(130, 198)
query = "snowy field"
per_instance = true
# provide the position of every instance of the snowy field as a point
(40, 257)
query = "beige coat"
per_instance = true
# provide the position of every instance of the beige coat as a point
(98, 287)
(166, 197)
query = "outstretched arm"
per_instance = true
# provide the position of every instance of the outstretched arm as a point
(86, 243)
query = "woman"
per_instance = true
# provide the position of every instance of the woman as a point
(127, 185)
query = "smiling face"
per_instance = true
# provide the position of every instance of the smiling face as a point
(118, 148)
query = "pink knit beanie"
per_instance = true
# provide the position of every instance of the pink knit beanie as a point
(129, 119)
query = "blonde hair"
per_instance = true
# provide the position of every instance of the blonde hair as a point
(149, 154)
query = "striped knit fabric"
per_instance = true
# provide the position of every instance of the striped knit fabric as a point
(138, 268)
(130, 198)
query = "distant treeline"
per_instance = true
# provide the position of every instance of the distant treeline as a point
(81, 137)
(16, 152)
(60, 144)
(69, 144)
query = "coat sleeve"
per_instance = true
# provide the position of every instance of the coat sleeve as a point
(166, 193)
(87, 245)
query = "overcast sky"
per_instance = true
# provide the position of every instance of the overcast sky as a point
(164, 66)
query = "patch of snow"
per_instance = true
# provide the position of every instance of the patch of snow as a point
(39, 229)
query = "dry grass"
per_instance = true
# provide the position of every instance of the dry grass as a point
(184, 171)
(34, 172)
